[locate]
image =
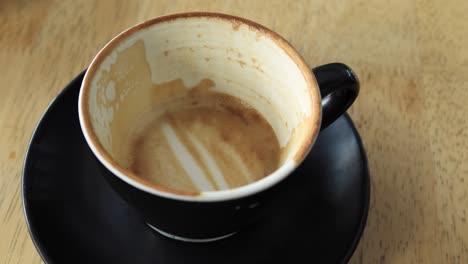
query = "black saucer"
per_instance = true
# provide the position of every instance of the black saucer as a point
(75, 217)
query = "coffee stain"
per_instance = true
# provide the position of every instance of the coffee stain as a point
(219, 122)
(242, 63)
(258, 68)
(224, 141)
(12, 155)
(202, 87)
(164, 92)
(298, 140)
(181, 133)
(248, 117)
(126, 80)
(236, 25)
(151, 143)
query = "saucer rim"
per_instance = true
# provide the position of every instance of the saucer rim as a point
(49, 109)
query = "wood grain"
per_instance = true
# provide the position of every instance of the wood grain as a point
(412, 59)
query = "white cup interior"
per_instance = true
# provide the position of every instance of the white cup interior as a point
(241, 58)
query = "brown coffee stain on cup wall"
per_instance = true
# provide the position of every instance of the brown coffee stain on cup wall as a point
(134, 93)
(211, 126)
(149, 144)
(127, 107)
(235, 25)
(127, 103)
(296, 140)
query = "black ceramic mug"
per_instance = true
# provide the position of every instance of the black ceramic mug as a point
(145, 67)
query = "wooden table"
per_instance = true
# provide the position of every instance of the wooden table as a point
(411, 57)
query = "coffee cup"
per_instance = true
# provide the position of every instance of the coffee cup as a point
(196, 119)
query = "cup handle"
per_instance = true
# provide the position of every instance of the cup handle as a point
(339, 87)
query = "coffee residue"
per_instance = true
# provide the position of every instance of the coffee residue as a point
(229, 144)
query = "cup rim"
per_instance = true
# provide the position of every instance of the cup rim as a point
(207, 196)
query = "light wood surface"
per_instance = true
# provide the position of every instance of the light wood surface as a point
(412, 60)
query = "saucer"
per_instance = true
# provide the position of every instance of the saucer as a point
(74, 216)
